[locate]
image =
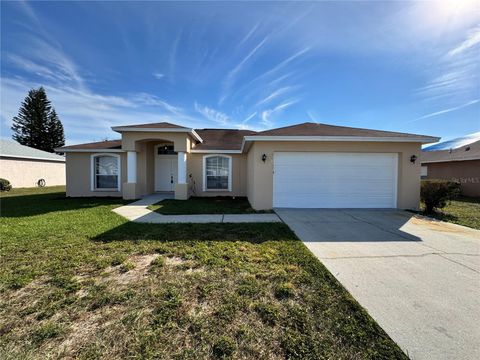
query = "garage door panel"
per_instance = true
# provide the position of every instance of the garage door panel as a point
(354, 180)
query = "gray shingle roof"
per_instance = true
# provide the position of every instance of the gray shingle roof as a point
(10, 148)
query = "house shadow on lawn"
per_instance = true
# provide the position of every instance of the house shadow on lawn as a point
(256, 233)
(39, 204)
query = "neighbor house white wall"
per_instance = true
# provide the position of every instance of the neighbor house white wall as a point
(26, 172)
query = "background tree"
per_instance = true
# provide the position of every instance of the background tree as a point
(37, 124)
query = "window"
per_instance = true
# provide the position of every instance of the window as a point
(106, 172)
(166, 150)
(217, 171)
(424, 172)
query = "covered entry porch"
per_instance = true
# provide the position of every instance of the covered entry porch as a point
(156, 160)
(156, 167)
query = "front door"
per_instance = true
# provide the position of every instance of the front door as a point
(165, 172)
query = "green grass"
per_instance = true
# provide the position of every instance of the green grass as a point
(204, 205)
(463, 211)
(79, 281)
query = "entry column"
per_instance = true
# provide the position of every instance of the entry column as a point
(181, 188)
(131, 166)
(130, 189)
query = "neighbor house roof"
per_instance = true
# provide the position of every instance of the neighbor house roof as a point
(455, 143)
(12, 149)
(463, 153)
(234, 140)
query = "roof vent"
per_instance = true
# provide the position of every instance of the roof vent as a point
(467, 148)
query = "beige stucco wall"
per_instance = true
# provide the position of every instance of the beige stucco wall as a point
(260, 190)
(79, 172)
(239, 175)
(26, 172)
(132, 140)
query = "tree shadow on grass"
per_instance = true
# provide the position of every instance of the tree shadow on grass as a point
(38, 204)
(254, 233)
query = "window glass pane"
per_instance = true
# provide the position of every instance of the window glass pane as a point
(107, 181)
(106, 172)
(106, 165)
(217, 172)
(217, 182)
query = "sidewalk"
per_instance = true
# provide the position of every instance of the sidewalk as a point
(138, 212)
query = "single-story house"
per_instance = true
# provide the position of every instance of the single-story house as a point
(307, 165)
(24, 166)
(457, 160)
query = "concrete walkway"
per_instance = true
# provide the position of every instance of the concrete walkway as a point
(138, 212)
(418, 278)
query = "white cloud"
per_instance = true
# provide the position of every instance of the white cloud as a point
(233, 73)
(275, 95)
(213, 115)
(158, 75)
(472, 40)
(455, 77)
(267, 114)
(249, 34)
(313, 116)
(249, 117)
(87, 115)
(444, 111)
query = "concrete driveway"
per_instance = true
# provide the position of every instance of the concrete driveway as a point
(418, 278)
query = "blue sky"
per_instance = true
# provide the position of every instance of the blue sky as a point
(402, 66)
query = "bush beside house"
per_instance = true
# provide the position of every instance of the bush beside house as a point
(436, 193)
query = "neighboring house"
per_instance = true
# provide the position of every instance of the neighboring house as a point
(24, 166)
(306, 165)
(458, 160)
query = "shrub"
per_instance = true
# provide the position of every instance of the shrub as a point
(436, 193)
(5, 185)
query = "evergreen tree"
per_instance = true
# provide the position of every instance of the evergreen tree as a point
(55, 131)
(37, 124)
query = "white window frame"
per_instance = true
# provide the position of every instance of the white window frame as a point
(424, 171)
(93, 172)
(204, 167)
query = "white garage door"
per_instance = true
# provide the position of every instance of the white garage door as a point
(334, 180)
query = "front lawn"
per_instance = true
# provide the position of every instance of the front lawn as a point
(79, 281)
(204, 205)
(463, 211)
